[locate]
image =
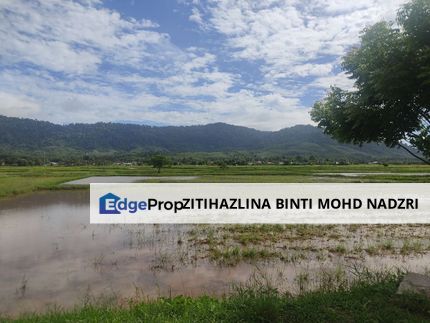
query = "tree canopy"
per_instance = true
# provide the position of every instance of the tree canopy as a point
(159, 161)
(390, 101)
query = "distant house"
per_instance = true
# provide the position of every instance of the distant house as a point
(49, 163)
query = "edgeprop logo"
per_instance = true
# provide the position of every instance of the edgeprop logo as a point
(113, 204)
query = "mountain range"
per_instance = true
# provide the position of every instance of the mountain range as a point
(28, 135)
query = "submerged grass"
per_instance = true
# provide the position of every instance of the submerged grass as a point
(371, 298)
(368, 300)
(233, 255)
(231, 244)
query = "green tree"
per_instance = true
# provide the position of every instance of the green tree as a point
(390, 102)
(159, 161)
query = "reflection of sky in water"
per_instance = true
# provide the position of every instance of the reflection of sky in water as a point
(47, 243)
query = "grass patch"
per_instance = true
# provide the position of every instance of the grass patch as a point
(17, 180)
(370, 299)
(409, 247)
(293, 243)
(339, 249)
(234, 255)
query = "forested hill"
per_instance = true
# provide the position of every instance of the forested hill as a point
(28, 135)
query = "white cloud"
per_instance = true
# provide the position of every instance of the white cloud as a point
(303, 70)
(71, 37)
(339, 80)
(288, 35)
(61, 102)
(17, 106)
(67, 61)
(196, 16)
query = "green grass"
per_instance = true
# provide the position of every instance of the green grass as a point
(230, 244)
(339, 249)
(411, 247)
(366, 301)
(370, 299)
(231, 256)
(18, 180)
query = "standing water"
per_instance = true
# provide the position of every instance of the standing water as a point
(51, 256)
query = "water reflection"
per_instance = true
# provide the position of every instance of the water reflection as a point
(50, 254)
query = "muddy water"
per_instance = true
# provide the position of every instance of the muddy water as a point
(51, 255)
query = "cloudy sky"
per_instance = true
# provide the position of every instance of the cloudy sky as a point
(258, 63)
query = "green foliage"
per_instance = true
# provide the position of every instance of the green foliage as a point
(28, 142)
(391, 99)
(371, 299)
(159, 161)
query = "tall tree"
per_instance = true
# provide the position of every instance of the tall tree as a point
(159, 161)
(390, 102)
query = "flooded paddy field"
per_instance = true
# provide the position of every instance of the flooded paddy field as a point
(51, 256)
(128, 179)
(355, 174)
(21, 180)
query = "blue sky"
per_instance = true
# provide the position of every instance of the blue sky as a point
(258, 64)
